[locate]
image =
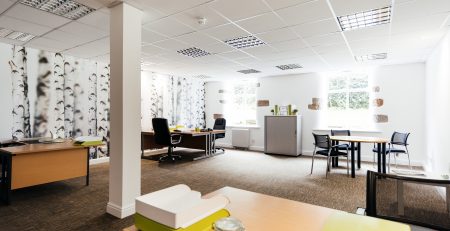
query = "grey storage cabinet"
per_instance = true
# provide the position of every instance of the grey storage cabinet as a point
(283, 135)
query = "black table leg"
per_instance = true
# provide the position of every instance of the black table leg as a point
(333, 159)
(87, 169)
(359, 155)
(5, 190)
(383, 153)
(336, 164)
(352, 146)
(379, 157)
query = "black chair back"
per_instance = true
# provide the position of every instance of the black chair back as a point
(220, 124)
(399, 138)
(162, 132)
(340, 132)
(322, 141)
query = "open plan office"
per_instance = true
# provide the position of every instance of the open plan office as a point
(225, 115)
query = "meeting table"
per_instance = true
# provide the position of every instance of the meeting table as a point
(355, 145)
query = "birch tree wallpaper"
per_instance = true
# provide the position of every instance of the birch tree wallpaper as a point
(65, 96)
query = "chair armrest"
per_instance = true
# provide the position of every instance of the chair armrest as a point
(175, 141)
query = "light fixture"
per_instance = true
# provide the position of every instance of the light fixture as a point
(288, 66)
(371, 57)
(365, 19)
(245, 42)
(249, 71)
(193, 52)
(15, 35)
(66, 8)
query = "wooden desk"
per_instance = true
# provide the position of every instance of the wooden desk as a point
(190, 139)
(35, 164)
(259, 212)
(381, 147)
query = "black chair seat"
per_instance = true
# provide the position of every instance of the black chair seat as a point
(345, 146)
(389, 150)
(333, 153)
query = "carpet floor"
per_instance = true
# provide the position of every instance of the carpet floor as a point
(69, 205)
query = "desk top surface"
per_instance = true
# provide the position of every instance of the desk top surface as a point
(362, 139)
(41, 147)
(262, 212)
(191, 133)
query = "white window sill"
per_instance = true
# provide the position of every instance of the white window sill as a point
(352, 130)
(244, 126)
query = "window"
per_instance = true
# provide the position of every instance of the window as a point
(348, 100)
(240, 106)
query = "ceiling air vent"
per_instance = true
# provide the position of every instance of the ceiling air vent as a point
(245, 42)
(365, 19)
(193, 52)
(15, 35)
(249, 71)
(371, 57)
(66, 8)
(288, 66)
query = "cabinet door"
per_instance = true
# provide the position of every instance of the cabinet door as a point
(281, 135)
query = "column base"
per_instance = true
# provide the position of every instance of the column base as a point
(120, 212)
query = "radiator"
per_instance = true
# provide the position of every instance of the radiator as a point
(240, 138)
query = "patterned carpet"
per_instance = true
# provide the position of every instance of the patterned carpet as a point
(69, 205)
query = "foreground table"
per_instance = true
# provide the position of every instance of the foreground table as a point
(35, 164)
(260, 212)
(357, 140)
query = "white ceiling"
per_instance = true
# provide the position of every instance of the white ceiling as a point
(304, 32)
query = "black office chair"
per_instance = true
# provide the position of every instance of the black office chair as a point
(343, 133)
(323, 143)
(163, 137)
(219, 124)
(397, 139)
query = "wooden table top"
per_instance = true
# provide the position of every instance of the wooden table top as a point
(191, 133)
(362, 139)
(40, 147)
(262, 212)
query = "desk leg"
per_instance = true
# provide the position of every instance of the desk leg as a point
(352, 146)
(359, 155)
(383, 153)
(87, 167)
(379, 157)
(400, 202)
(5, 190)
(448, 199)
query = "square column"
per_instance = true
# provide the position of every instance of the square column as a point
(125, 162)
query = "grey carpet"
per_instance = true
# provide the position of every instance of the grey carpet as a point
(69, 205)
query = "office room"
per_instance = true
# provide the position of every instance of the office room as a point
(224, 115)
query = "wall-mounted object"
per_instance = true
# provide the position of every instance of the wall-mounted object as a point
(222, 101)
(381, 118)
(378, 102)
(376, 89)
(315, 104)
(263, 103)
(217, 116)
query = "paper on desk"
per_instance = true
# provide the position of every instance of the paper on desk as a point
(178, 206)
(88, 138)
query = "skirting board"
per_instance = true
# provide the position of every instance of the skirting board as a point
(99, 160)
(120, 212)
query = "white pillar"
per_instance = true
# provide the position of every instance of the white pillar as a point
(125, 162)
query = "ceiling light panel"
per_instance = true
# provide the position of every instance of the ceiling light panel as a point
(15, 35)
(245, 42)
(365, 19)
(249, 71)
(65, 8)
(194, 52)
(289, 66)
(371, 57)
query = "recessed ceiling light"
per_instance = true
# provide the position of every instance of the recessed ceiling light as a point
(65, 8)
(365, 19)
(288, 66)
(193, 52)
(371, 57)
(15, 35)
(249, 71)
(245, 42)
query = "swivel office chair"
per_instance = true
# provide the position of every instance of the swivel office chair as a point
(163, 137)
(219, 124)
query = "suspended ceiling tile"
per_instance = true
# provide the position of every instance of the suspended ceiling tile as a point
(238, 9)
(306, 12)
(191, 17)
(345, 7)
(317, 28)
(279, 35)
(168, 27)
(261, 23)
(225, 32)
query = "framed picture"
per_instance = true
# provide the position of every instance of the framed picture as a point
(283, 110)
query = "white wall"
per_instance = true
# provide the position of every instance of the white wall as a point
(438, 107)
(402, 88)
